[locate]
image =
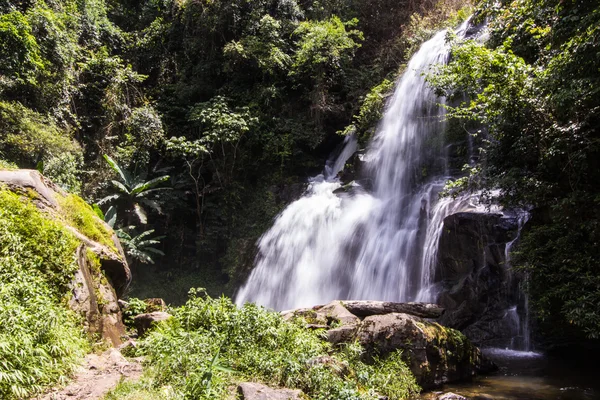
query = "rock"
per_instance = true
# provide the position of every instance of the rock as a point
(435, 354)
(257, 391)
(143, 322)
(336, 311)
(451, 396)
(342, 334)
(368, 308)
(103, 272)
(478, 287)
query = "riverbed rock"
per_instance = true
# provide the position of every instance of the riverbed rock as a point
(257, 391)
(480, 291)
(103, 273)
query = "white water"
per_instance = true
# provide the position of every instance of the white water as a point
(379, 245)
(520, 323)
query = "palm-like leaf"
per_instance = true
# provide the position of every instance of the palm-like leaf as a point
(140, 247)
(125, 177)
(145, 186)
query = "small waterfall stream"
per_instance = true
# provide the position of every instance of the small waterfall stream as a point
(377, 245)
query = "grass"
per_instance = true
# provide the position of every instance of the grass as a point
(41, 341)
(210, 345)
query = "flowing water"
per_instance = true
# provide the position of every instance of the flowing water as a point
(367, 245)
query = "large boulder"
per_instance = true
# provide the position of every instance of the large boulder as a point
(103, 273)
(480, 291)
(435, 354)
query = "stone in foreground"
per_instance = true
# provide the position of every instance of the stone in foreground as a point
(434, 353)
(257, 391)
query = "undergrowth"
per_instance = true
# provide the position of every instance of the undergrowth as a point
(41, 341)
(211, 345)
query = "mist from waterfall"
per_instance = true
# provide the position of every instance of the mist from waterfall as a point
(378, 244)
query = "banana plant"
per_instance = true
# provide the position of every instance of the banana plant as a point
(134, 191)
(140, 247)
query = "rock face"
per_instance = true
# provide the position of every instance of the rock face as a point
(103, 271)
(434, 353)
(479, 291)
(256, 391)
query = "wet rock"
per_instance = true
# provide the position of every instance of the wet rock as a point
(368, 308)
(143, 322)
(257, 391)
(478, 287)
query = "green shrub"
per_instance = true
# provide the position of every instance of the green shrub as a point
(40, 339)
(211, 344)
(28, 137)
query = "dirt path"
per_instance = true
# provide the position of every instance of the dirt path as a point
(98, 375)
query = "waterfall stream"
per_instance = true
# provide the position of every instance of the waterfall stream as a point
(367, 245)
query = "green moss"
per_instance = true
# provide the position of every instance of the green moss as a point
(40, 339)
(83, 217)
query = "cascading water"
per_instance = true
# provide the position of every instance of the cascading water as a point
(378, 245)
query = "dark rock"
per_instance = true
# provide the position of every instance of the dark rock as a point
(257, 391)
(143, 322)
(435, 354)
(368, 308)
(478, 287)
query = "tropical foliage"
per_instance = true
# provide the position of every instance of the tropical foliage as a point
(41, 342)
(229, 97)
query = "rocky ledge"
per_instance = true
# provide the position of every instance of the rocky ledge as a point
(434, 353)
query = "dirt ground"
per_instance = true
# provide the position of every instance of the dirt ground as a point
(96, 377)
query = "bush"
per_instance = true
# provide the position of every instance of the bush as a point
(28, 137)
(211, 344)
(40, 340)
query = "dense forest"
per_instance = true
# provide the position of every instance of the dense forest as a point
(209, 111)
(188, 125)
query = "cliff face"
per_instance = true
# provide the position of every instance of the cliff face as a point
(102, 274)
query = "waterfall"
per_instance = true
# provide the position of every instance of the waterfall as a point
(520, 321)
(378, 244)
